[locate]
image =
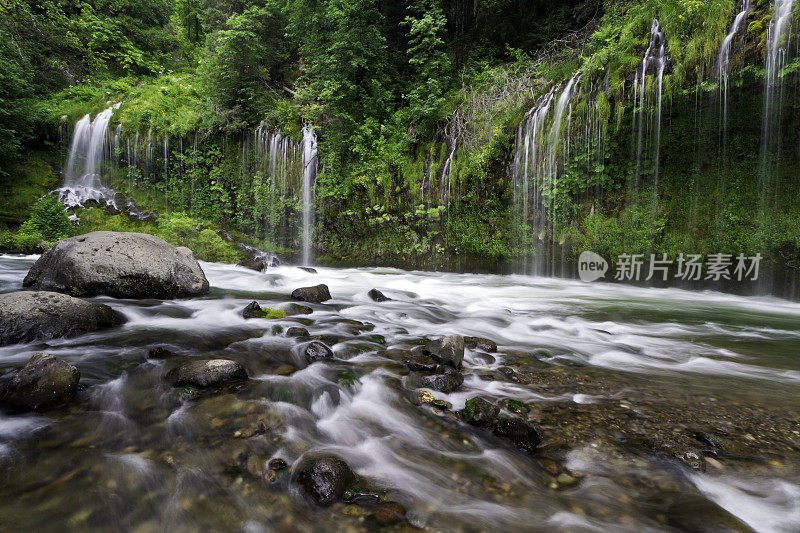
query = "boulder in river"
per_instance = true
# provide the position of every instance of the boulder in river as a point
(325, 480)
(122, 265)
(308, 269)
(44, 381)
(27, 316)
(378, 296)
(479, 411)
(521, 433)
(207, 372)
(315, 351)
(315, 294)
(448, 350)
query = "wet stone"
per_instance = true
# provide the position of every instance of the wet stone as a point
(479, 343)
(446, 383)
(43, 382)
(479, 411)
(297, 309)
(316, 294)
(296, 331)
(325, 480)
(521, 433)
(421, 363)
(378, 296)
(387, 514)
(516, 406)
(277, 464)
(160, 352)
(308, 269)
(207, 373)
(316, 351)
(448, 350)
(484, 359)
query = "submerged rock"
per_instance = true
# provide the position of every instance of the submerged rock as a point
(325, 480)
(38, 315)
(316, 350)
(479, 411)
(122, 265)
(207, 372)
(387, 513)
(378, 296)
(308, 269)
(44, 381)
(315, 294)
(521, 433)
(448, 350)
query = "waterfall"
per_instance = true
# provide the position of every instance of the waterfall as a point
(724, 58)
(655, 58)
(776, 52)
(542, 154)
(88, 153)
(287, 170)
(309, 176)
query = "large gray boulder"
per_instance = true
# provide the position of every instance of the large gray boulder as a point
(44, 381)
(28, 316)
(123, 265)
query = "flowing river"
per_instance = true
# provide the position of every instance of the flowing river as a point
(661, 409)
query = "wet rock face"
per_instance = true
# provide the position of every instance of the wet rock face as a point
(325, 480)
(521, 433)
(38, 315)
(448, 350)
(378, 296)
(207, 373)
(479, 411)
(315, 294)
(316, 351)
(122, 265)
(43, 382)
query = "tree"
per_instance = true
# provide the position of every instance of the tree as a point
(247, 62)
(431, 65)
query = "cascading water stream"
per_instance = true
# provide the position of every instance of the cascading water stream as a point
(776, 54)
(723, 62)
(655, 58)
(88, 153)
(309, 176)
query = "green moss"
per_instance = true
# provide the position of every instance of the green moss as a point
(516, 406)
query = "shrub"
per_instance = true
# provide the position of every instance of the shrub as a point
(47, 224)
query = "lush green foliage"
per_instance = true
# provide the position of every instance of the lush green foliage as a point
(47, 224)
